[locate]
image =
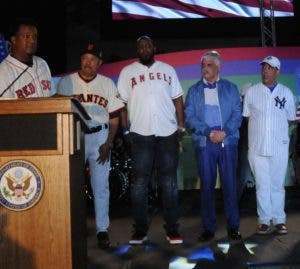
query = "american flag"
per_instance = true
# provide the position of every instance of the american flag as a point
(178, 9)
(3, 48)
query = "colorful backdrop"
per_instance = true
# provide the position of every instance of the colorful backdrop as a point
(239, 65)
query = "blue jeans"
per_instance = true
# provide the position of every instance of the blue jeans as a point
(162, 153)
(208, 158)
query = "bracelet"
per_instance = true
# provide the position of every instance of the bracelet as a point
(182, 129)
(126, 133)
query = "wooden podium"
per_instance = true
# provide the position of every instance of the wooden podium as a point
(42, 202)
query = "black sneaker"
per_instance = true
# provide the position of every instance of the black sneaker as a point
(281, 229)
(234, 234)
(174, 237)
(138, 238)
(206, 236)
(264, 229)
(103, 240)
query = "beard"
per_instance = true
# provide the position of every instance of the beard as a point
(147, 59)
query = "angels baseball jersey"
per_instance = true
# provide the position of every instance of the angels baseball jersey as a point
(149, 94)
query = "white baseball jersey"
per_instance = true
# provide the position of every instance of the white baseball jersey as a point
(149, 94)
(298, 113)
(34, 82)
(98, 96)
(269, 113)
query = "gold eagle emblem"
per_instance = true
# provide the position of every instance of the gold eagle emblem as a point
(18, 186)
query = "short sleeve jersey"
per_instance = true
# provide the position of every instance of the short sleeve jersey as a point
(34, 82)
(149, 94)
(99, 96)
(269, 113)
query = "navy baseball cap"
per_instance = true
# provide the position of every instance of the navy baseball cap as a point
(93, 48)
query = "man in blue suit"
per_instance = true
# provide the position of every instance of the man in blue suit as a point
(213, 112)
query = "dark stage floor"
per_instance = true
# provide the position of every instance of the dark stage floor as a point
(254, 251)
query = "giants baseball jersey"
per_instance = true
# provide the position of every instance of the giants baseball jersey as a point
(149, 94)
(98, 96)
(34, 82)
(269, 113)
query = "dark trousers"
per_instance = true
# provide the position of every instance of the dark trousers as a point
(208, 158)
(163, 152)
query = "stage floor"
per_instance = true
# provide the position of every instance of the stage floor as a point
(254, 251)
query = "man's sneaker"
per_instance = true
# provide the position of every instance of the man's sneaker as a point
(138, 238)
(206, 236)
(174, 237)
(264, 229)
(103, 240)
(281, 229)
(234, 234)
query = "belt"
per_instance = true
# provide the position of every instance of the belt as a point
(97, 128)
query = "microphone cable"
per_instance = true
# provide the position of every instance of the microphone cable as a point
(14, 81)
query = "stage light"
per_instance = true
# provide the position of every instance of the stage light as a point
(202, 253)
(123, 249)
(224, 247)
(181, 263)
(250, 247)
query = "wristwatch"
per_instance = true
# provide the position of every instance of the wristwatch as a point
(182, 129)
(126, 132)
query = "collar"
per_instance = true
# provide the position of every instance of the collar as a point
(271, 88)
(86, 80)
(210, 85)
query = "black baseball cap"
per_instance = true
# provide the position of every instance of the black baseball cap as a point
(93, 48)
(144, 37)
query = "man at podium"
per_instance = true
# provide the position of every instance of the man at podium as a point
(24, 75)
(98, 95)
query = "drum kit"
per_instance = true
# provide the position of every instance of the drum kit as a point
(120, 177)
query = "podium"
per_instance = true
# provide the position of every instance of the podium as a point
(42, 200)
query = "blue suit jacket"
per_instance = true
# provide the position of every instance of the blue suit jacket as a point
(230, 109)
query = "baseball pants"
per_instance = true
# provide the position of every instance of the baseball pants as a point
(99, 174)
(269, 173)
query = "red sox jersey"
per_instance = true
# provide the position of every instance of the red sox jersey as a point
(149, 94)
(34, 82)
(98, 96)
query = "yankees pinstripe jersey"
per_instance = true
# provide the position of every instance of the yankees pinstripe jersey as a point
(148, 92)
(298, 113)
(34, 82)
(269, 113)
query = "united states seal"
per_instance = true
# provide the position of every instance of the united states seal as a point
(21, 185)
